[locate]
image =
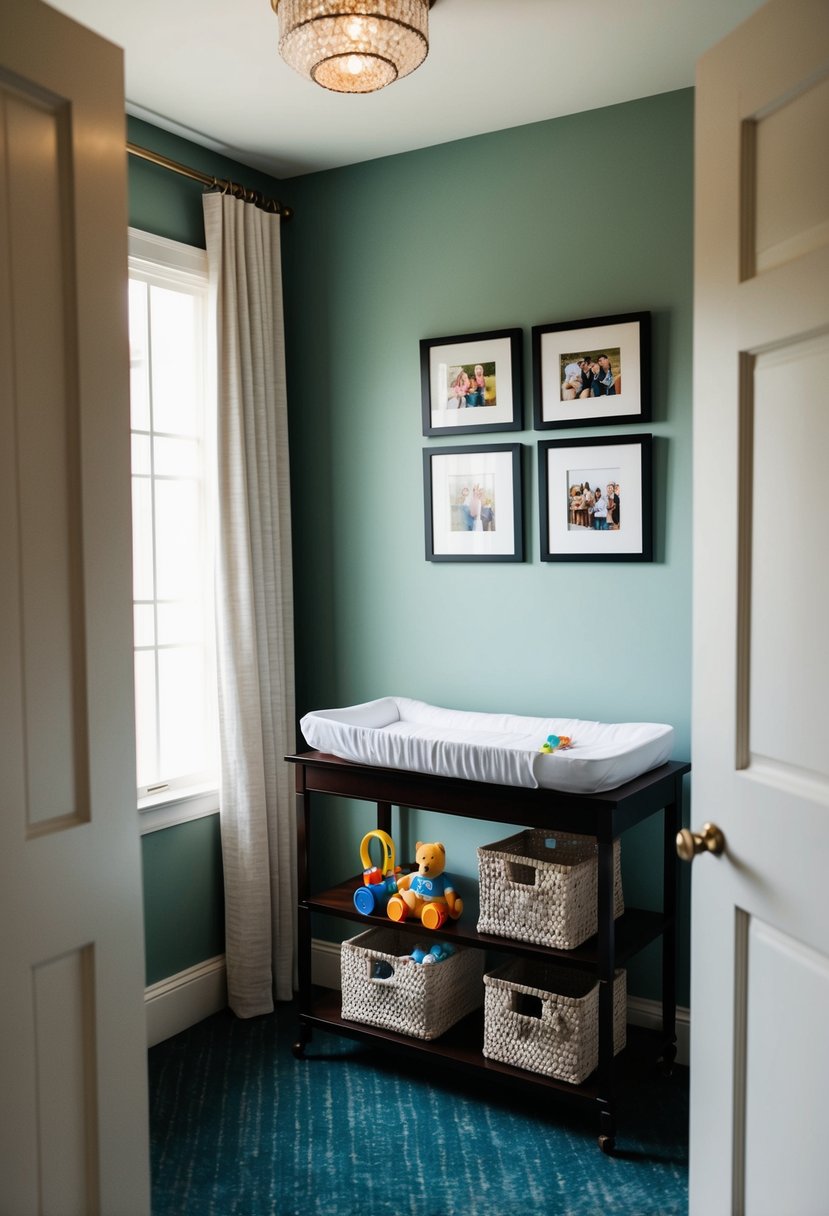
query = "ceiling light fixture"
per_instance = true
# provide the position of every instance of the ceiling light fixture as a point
(353, 46)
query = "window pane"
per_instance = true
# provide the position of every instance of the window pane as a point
(178, 547)
(177, 457)
(182, 711)
(139, 390)
(145, 718)
(144, 624)
(142, 539)
(176, 699)
(141, 454)
(180, 623)
(175, 362)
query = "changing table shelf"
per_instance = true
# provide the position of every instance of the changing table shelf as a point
(634, 930)
(604, 816)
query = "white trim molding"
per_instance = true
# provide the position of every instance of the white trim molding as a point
(163, 254)
(325, 963)
(178, 1002)
(175, 808)
(642, 1012)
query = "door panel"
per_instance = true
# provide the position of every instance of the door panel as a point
(785, 1069)
(789, 583)
(73, 1102)
(760, 912)
(64, 1004)
(46, 521)
(791, 202)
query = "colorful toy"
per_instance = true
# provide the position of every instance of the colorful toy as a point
(429, 894)
(436, 954)
(379, 882)
(556, 743)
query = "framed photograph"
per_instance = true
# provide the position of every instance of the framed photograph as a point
(591, 373)
(595, 499)
(472, 499)
(470, 384)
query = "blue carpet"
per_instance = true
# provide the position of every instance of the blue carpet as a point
(241, 1128)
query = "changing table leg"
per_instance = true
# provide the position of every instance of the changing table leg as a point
(303, 843)
(384, 817)
(607, 950)
(673, 822)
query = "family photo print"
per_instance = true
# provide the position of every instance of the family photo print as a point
(472, 502)
(587, 373)
(472, 383)
(595, 499)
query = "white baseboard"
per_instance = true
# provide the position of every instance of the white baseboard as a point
(181, 1000)
(642, 1012)
(325, 971)
(325, 963)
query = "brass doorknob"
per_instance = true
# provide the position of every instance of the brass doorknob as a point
(709, 840)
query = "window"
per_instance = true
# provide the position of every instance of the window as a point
(173, 523)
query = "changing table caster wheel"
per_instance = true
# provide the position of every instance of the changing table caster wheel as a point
(302, 1041)
(607, 1131)
(666, 1064)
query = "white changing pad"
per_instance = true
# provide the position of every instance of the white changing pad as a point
(396, 732)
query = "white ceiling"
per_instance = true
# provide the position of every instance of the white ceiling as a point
(209, 70)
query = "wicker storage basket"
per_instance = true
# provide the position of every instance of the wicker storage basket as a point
(546, 1019)
(417, 999)
(546, 893)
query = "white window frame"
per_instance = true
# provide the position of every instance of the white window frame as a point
(156, 258)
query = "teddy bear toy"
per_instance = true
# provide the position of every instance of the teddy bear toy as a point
(430, 893)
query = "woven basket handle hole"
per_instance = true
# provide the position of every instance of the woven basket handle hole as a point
(380, 970)
(525, 876)
(528, 1004)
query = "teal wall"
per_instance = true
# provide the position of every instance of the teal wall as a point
(183, 901)
(583, 216)
(578, 217)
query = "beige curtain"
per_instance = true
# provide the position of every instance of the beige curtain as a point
(254, 604)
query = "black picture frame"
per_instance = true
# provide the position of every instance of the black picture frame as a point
(616, 390)
(567, 526)
(497, 402)
(495, 471)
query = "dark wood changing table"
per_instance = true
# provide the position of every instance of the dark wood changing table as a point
(605, 816)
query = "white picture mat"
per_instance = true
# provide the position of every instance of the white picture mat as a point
(625, 337)
(489, 350)
(624, 461)
(472, 466)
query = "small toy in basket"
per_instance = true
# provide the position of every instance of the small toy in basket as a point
(379, 882)
(382, 985)
(430, 893)
(438, 953)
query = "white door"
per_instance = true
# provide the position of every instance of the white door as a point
(73, 1090)
(760, 925)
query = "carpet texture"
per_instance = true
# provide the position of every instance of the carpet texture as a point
(241, 1128)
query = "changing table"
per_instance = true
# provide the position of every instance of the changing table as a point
(604, 815)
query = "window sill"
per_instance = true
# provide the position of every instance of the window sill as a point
(176, 806)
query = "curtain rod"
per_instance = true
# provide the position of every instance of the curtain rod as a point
(218, 183)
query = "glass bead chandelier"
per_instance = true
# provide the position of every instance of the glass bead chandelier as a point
(353, 46)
